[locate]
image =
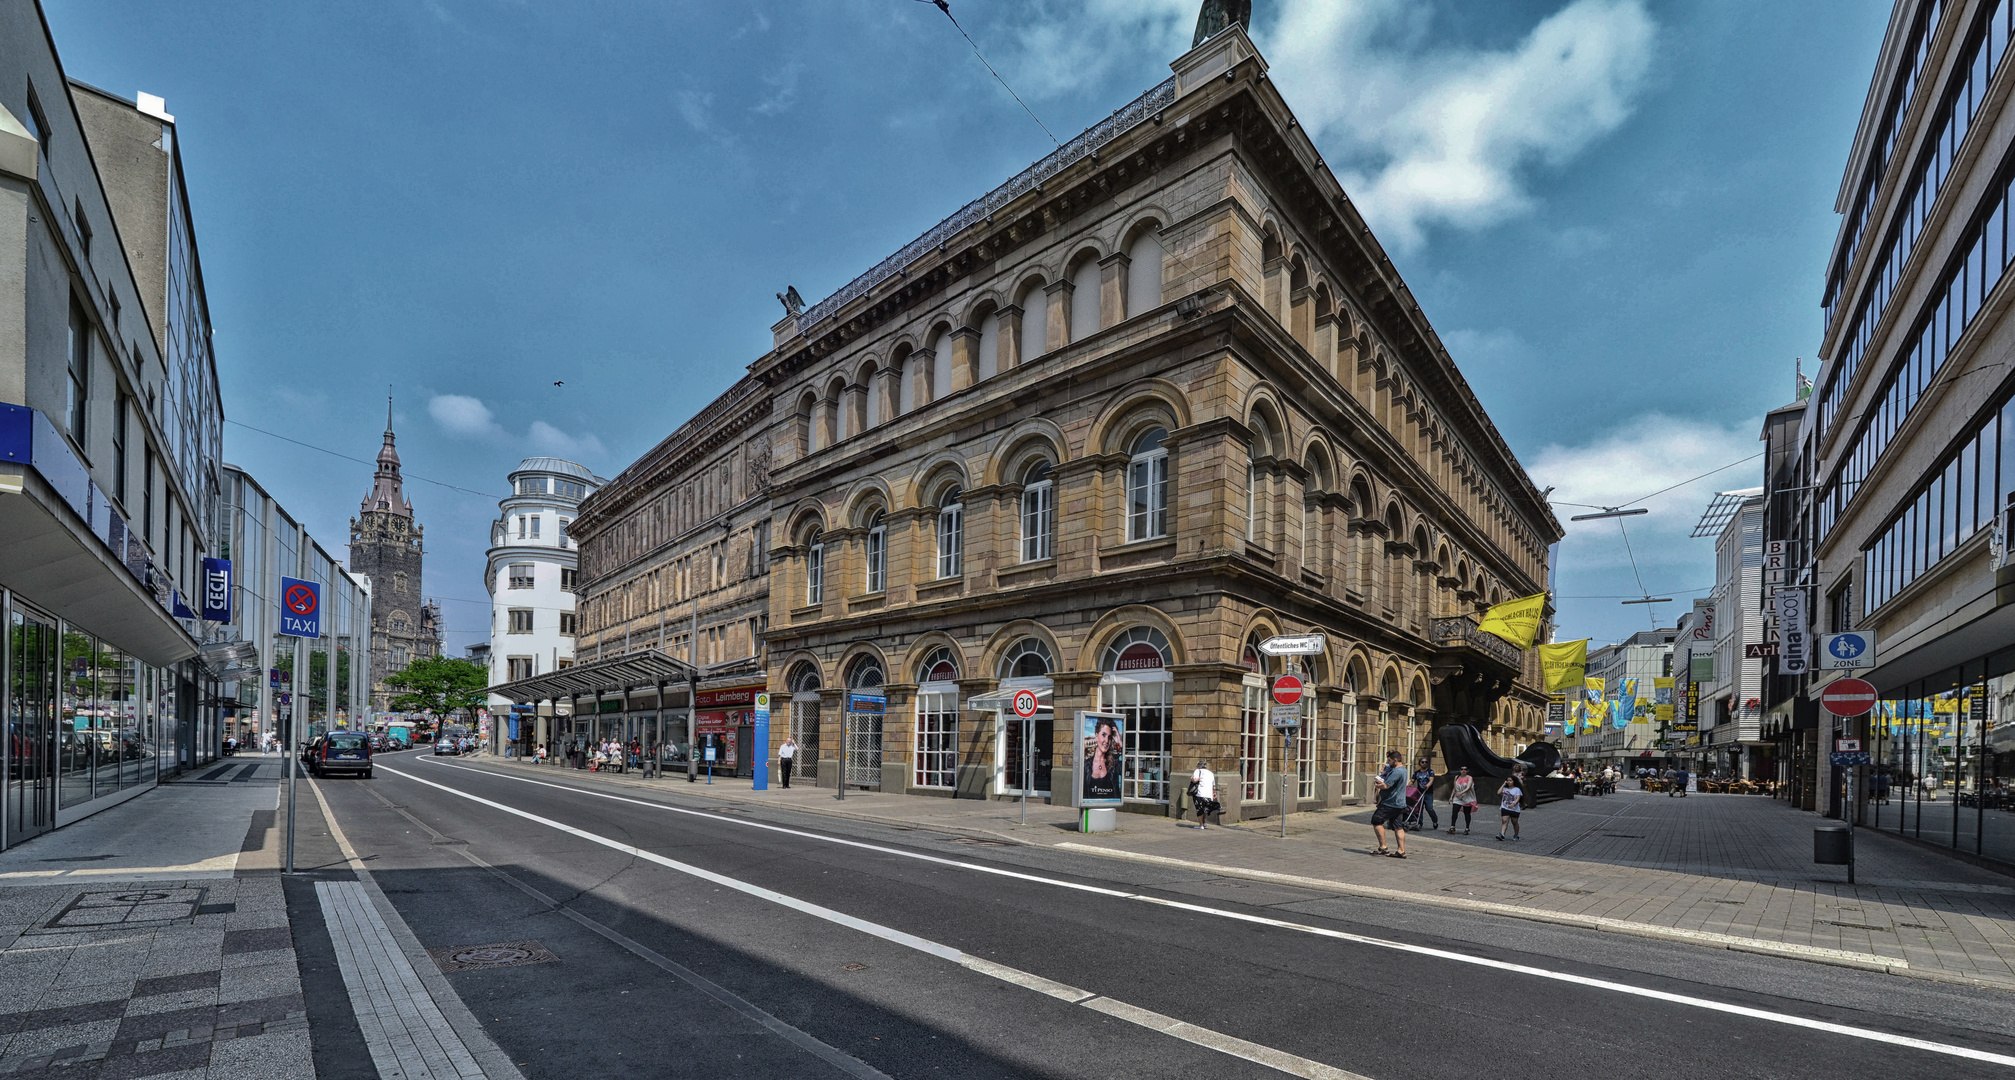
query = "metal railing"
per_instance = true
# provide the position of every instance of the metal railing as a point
(1123, 119)
(1460, 630)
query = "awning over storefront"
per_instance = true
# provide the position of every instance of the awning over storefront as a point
(614, 675)
(1003, 700)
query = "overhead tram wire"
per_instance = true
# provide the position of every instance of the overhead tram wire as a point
(946, 7)
(361, 461)
(1621, 508)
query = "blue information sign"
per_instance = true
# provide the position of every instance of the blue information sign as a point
(762, 742)
(216, 590)
(300, 608)
(869, 704)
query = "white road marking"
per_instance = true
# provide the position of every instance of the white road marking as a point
(398, 1018)
(1280, 1060)
(1709, 1004)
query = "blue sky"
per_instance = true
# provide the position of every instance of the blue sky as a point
(1616, 213)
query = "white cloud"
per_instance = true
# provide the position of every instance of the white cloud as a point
(1441, 136)
(1069, 45)
(468, 418)
(551, 440)
(784, 83)
(693, 107)
(463, 416)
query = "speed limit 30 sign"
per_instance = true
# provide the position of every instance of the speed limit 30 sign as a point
(1024, 703)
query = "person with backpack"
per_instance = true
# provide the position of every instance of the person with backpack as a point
(1203, 792)
(1462, 801)
(1391, 810)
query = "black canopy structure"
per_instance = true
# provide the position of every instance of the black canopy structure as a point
(613, 675)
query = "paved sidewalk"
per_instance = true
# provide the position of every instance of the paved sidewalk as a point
(1724, 871)
(152, 940)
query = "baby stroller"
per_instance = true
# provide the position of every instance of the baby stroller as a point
(1416, 807)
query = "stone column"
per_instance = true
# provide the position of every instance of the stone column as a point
(924, 368)
(891, 391)
(857, 407)
(1008, 346)
(965, 358)
(1059, 293)
(1112, 283)
(1324, 347)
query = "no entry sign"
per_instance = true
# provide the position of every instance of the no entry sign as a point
(1287, 690)
(1024, 703)
(1848, 697)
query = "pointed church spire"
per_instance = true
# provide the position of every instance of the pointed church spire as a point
(388, 494)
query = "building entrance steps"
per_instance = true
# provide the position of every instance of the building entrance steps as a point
(1719, 871)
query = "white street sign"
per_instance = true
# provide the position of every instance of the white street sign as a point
(1285, 717)
(1302, 645)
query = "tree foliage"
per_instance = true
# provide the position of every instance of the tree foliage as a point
(440, 686)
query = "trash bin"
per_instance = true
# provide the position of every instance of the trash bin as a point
(1098, 819)
(1832, 845)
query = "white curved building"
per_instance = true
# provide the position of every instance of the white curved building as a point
(531, 569)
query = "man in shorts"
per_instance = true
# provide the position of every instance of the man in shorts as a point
(1391, 810)
(1508, 799)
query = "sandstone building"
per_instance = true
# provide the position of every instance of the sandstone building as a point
(1098, 434)
(388, 546)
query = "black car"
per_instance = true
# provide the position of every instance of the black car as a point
(341, 752)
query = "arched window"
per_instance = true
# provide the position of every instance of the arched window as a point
(815, 568)
(1028, 658)
(1256, 479)
(1143, 272)
(1147, 487)
(1038, 513)
(951, 533)
(804, 678)
(940, 666)
(877, 552)
(1084, 300)
(864, 673)
(1138, 687)
(1142, 648)
(987, 364)
(1253, 726)
(1034, 323)
(935, 764)
(807, 405)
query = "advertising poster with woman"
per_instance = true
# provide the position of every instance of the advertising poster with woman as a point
(1099, 759)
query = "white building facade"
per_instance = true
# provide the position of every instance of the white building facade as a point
(531, 574)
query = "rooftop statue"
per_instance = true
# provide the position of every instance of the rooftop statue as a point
(1218, 14)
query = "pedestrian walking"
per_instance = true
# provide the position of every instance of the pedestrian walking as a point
(1423, 778)
(1203, 792)
(1391, 809)
(787, 758)
(1462, 800)
(1509, 798)
(1878, 786)
(1677, 785)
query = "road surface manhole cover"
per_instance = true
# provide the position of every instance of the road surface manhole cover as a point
(499, 954)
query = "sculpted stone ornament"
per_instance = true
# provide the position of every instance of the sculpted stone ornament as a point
(1218, 14)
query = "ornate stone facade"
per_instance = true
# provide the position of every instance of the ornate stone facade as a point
(1157, 399)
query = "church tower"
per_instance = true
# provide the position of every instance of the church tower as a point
(386, 546)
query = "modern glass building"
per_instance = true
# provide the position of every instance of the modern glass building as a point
(110, 436)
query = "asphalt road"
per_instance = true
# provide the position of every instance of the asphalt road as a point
(937, 966)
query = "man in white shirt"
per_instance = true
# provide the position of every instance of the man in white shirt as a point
(1203, 791)
(787, 757)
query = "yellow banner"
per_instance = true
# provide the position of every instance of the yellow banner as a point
(1516, 621)
(1662, 691)
(1565, 664)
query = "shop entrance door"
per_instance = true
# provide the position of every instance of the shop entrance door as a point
(30, 793)
(1015, 740)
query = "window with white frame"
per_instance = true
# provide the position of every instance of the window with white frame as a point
(1147, 487)
(1348, 737)
(951, 533)
(815, 568)
(1025, 659)
(520, 667)
(935, 761)
(568, 577)
(1038, 513)
(1252, 740)
(878, 552)
(521, 575)
(1304, 744)
(535, 526)
(567, 624)
(1138, 687)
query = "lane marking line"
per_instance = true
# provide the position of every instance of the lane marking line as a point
(1279, 1060)
(831, 1055)
(1709, 1004)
